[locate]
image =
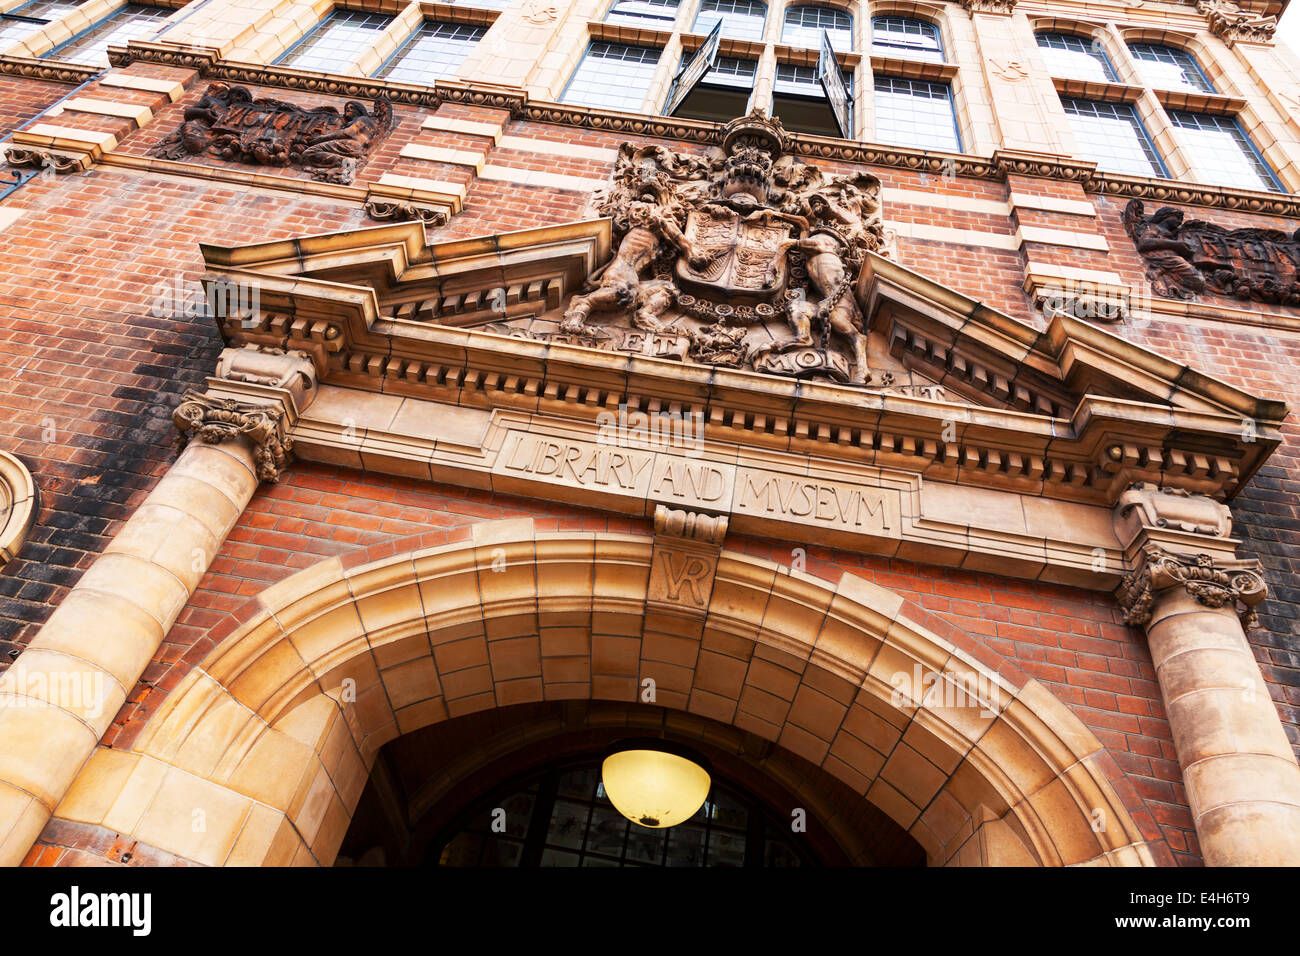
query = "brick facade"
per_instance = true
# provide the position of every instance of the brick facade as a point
(92, 372)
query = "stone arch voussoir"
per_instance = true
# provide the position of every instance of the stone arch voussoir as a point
(272, 736)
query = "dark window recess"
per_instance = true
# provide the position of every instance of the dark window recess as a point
(723, 93)
(798, 99)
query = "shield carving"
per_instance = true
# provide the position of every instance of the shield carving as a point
(748, 255)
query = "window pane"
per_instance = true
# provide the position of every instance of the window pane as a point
(1112, 136)
(907, 38)
(742, 19)
(729, 71)
(804, 26)
(658, 14)
(613, 76)
(336, 41)
(130, 22)
(11, 31)
(1169, 69)
(435, 50)
(915, 113)
(1221, 152)
(1075, 58)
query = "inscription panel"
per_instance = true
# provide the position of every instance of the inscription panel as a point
(636, 479)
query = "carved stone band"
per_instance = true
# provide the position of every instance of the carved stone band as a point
(217, 420)
(1210, 583)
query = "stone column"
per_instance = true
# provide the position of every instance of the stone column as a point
(62, 693)
(1195, 600)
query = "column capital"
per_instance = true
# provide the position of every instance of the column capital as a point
(1230, 23)
(1210, 581)
(988, 6)
(257, 394)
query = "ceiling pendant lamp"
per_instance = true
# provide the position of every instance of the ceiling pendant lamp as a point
(655, 783)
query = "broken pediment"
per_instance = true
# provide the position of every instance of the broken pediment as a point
(753, 290)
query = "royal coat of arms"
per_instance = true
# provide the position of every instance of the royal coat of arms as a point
(744, 252)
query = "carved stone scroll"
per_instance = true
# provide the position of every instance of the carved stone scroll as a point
(1189, 258)
(229, 124)
(383, 210)
(217, 420)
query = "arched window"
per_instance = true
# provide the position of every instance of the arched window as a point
(741, 19)
(804, 25)
(656, 14)
(336, 41)
(434, 51)
(1075, 58)
(906, 38)
(1168, 68)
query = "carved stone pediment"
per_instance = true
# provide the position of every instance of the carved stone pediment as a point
(1188, 258)
(228, 123)
(657, 307)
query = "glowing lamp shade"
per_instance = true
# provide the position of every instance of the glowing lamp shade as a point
(653, 785)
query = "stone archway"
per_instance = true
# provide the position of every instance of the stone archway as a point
(271, 738)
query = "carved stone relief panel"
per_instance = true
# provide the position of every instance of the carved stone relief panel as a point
(1187, 258)
(228, 123)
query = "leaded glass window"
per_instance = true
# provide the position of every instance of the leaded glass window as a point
(1222, 152)
(1074, 58)
(804, 25)
(915, 113)
(434, 51)
(906, 38)
(335, 42)
(612, 75)
(1112, 136)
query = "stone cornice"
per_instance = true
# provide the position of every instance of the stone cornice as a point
(520, 106)
(1072, 413)
(54, 71)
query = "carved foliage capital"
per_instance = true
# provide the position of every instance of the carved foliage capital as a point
(1211, 583)
(1231, 23)
(988, 6)
(216, 420)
